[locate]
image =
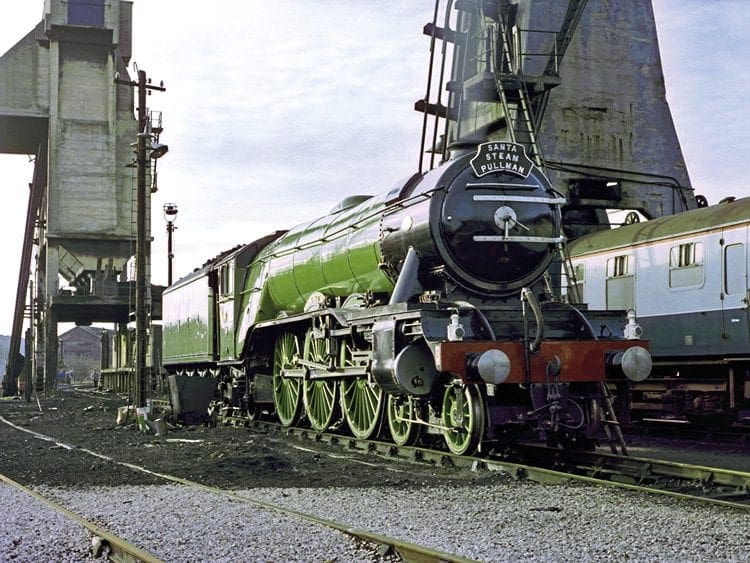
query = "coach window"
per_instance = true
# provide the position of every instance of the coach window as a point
(618, 266)
(620, 283)
(686, 265)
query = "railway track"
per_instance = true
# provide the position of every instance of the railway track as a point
(711, 485)
(407, 551)
(413, 494)
(539, 464)
(104, 542)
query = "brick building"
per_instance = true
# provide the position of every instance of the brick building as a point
(80, 351)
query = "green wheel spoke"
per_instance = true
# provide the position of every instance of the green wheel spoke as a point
(286, 390)
(320, 394)
(370, 401)
(362, 401)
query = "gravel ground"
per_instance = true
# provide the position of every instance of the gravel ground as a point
(476, 515)
(225, 457)
(32, 531)
(504, 522)
(178, 524)
(529, 522)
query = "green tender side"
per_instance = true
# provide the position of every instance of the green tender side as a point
(336, 255)
(188, 322)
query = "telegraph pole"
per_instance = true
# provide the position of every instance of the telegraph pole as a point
(143, 242)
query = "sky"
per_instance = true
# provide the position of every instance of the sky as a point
(275, 111)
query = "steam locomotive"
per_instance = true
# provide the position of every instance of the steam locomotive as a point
(427, 310)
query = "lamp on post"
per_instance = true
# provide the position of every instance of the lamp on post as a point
(170, 214)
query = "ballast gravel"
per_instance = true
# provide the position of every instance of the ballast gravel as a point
(175, 523)
(510, 521)
(531, 522)
(33, 531)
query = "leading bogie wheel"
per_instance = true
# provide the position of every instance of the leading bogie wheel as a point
(402, 412)
(463, 418)
(287, 395)
(320, 395)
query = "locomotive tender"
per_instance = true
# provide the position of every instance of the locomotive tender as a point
(426, 307)
(686, 275)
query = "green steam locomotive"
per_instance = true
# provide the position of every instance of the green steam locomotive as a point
(426, 310)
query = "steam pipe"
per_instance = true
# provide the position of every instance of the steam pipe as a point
(407, 279)
(528, 296)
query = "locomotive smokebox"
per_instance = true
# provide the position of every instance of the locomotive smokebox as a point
(488, 222)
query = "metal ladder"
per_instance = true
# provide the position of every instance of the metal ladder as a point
(610, 424)
(488, 68)
(571, 283)
(524, 110)
(514, 95)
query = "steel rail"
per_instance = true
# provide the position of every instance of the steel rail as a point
(712, 485)
(120, 550)
(726, 487)
(407, 550)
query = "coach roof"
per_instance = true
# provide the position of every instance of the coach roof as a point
(698, 220)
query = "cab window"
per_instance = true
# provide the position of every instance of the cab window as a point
(226, 280)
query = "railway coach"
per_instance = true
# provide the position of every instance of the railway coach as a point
(686, 276)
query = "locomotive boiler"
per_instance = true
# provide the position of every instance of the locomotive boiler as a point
(424, 310)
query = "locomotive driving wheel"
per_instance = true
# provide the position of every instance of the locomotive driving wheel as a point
(401, 412)
(320, 395)
(361, 399)
(286, 390)
(463, 417)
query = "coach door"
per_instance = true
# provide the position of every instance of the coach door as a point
(734, 291)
